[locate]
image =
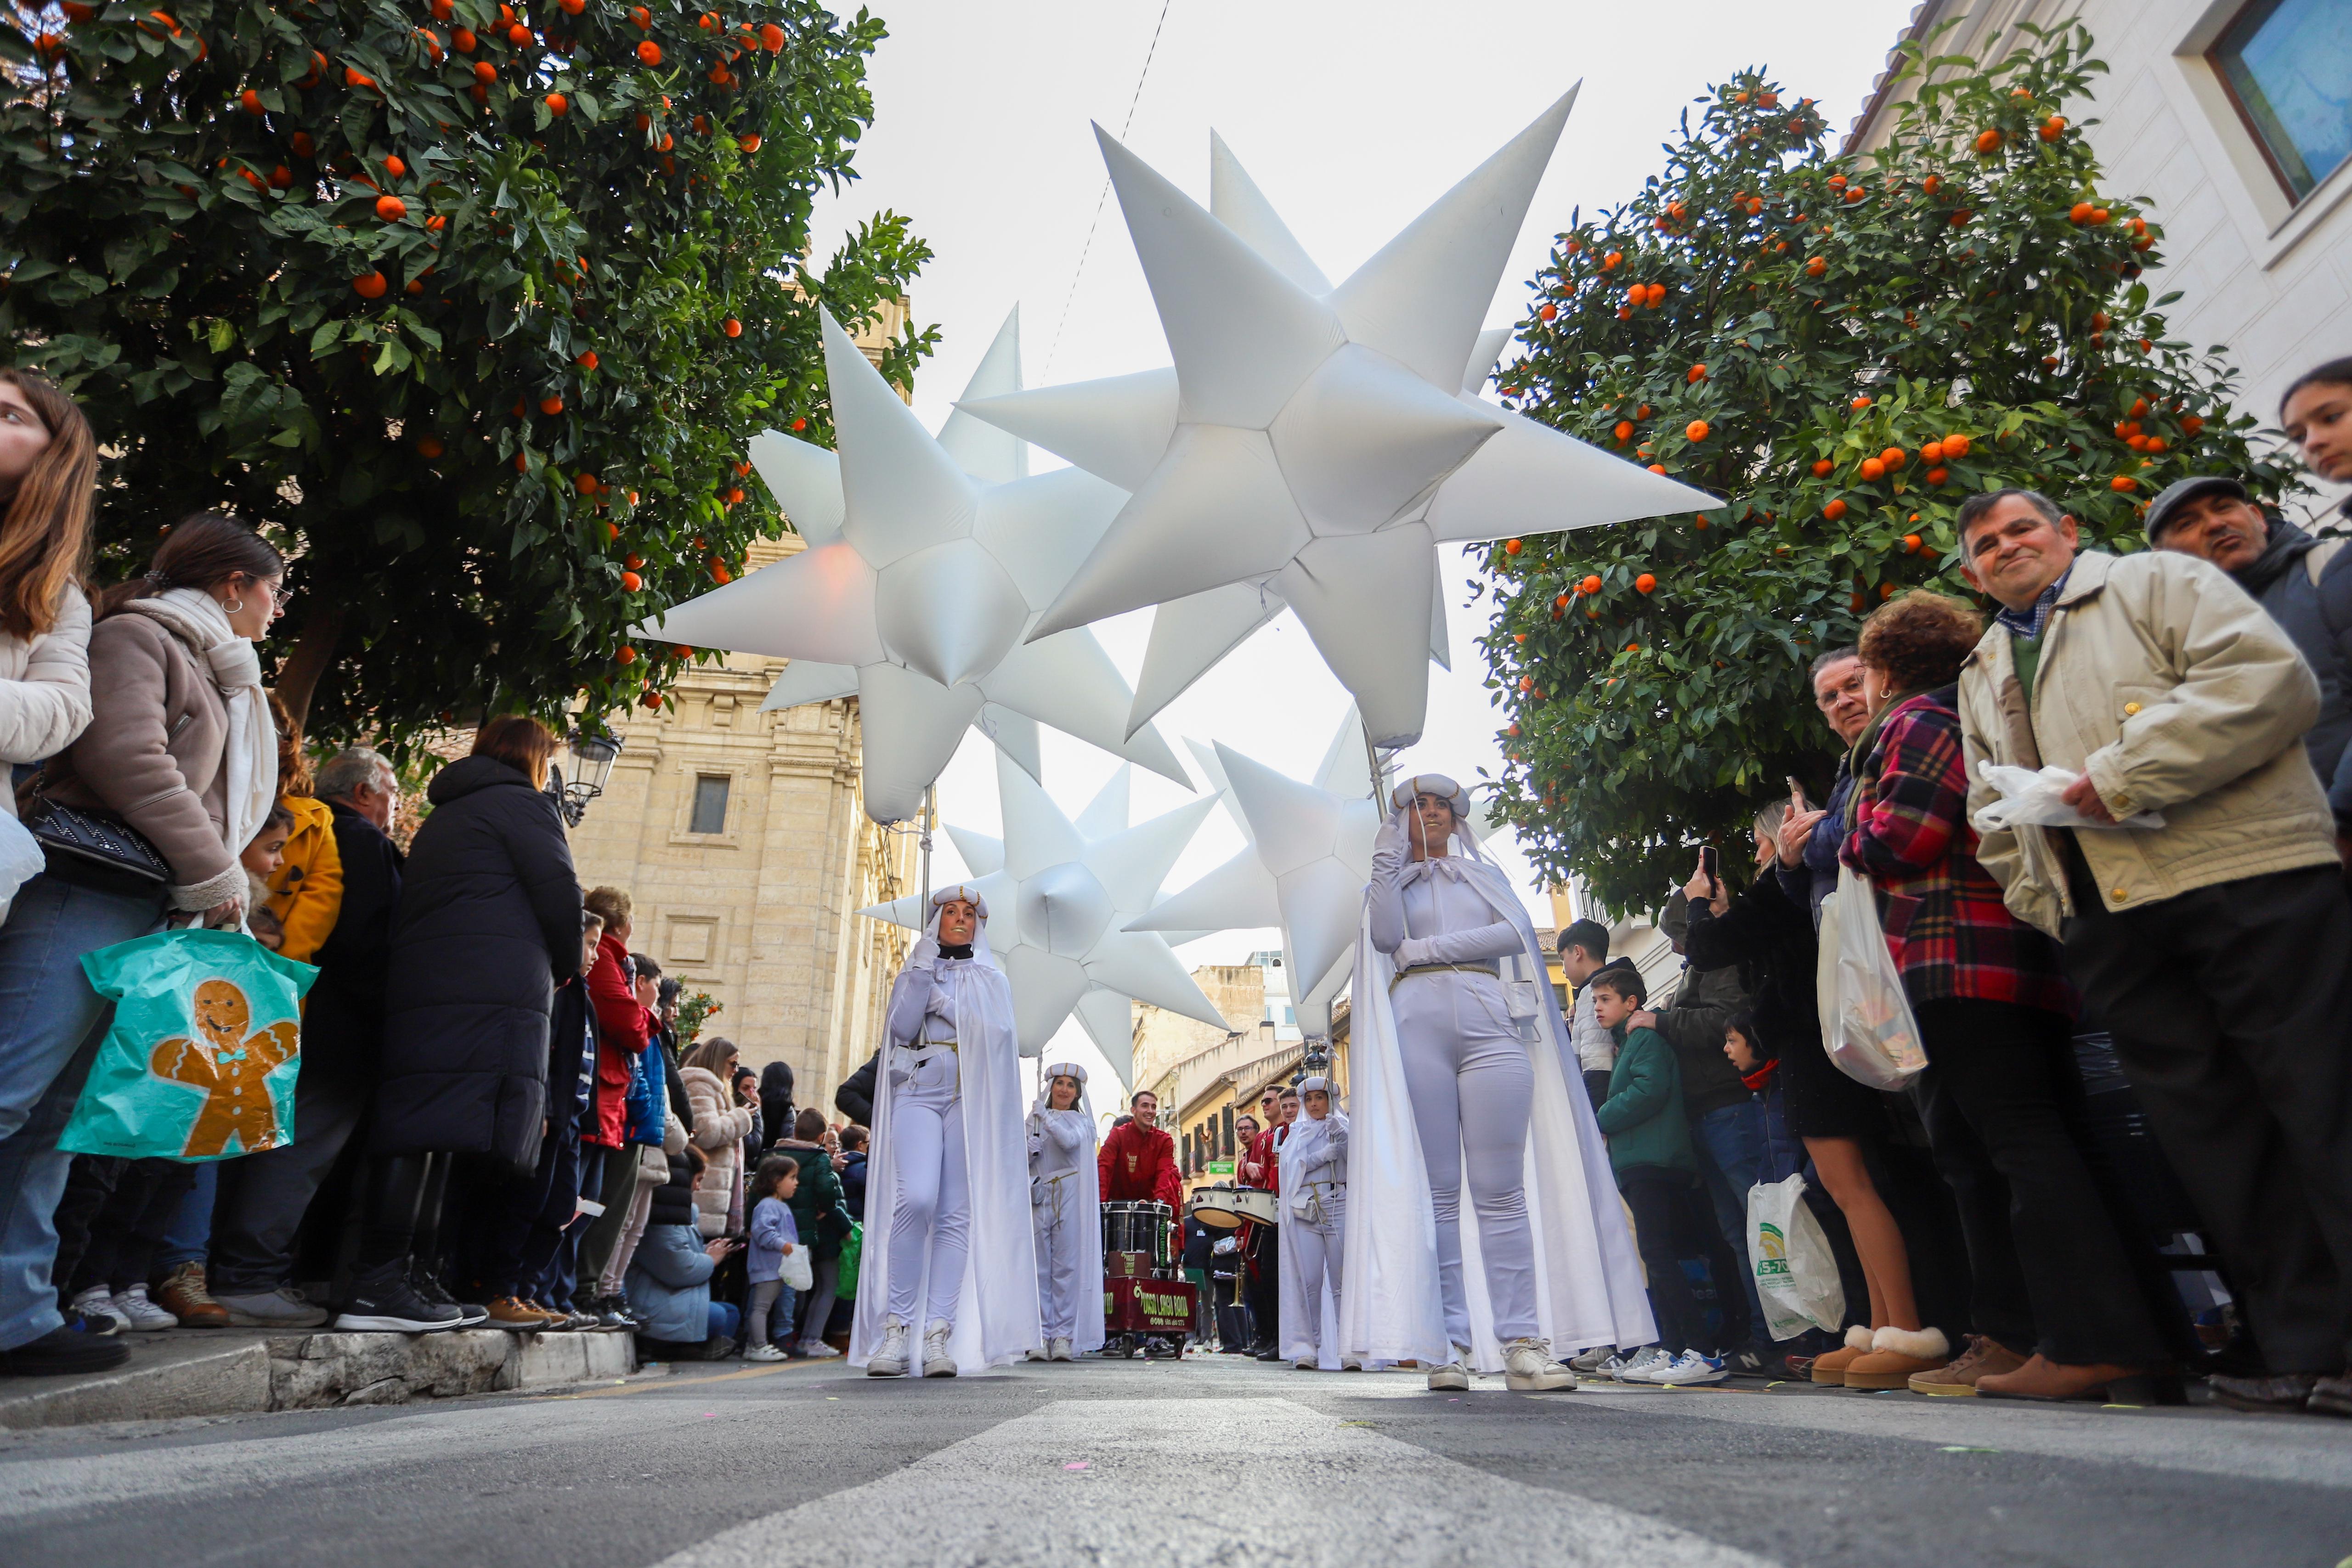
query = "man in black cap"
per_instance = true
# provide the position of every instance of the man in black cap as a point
(2306, 584)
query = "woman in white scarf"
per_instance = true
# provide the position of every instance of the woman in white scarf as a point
(1314, 1228)
(1066, 1207)
(1455, 1070)
(949, 1179)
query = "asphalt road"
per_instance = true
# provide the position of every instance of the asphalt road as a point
(1214, 1462)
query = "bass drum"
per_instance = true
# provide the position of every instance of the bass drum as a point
(1226, 1206)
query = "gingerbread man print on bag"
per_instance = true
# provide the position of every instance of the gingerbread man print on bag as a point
(229, 1066)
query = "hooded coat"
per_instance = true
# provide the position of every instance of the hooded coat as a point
(2305, 585)
(489, 920)
(776, 1108)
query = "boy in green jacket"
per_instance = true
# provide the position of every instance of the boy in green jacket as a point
(1650, 1151)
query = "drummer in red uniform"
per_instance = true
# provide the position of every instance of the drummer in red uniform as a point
(1261, 1168)
(1139, 1159)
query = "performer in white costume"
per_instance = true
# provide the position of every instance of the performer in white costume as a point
(1455, 1070)
(949, 1177)
(1314, 1230)
(1065, 1210)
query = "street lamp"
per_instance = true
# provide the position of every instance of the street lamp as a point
(593, 754)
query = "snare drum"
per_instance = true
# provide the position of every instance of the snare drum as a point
(1149, 1229)
(1226, 1206)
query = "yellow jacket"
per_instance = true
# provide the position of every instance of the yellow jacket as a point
(307, 893)
(2176, 693)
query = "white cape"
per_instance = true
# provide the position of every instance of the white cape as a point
(996, 1317)
(1090, 1334)
(1589, 1287)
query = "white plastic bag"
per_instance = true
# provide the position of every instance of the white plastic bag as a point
(2034, 800)
(797, 1273)
(1866, 1022)
(20, 859)
(1796, 1273)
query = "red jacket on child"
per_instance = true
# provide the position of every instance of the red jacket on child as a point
(622, 1028)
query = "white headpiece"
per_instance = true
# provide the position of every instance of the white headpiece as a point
(1437, 784)
(1053, 1069)
(927, 951)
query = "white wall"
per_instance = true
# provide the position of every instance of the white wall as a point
(2269, 281)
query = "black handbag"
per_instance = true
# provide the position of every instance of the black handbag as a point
(85, 840)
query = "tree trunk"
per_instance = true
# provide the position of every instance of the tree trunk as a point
(313, 656)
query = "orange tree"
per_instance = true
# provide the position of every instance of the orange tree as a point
(471, 307)
(1843, 347)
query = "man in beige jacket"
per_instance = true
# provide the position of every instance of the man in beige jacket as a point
(2217, 949)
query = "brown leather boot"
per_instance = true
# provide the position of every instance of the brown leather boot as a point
(2053, 1382)
(1957, 1380)
(183, 1294)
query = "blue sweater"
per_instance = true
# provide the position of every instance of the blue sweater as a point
(771, 1227)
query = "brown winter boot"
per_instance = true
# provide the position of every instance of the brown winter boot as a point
(183, 1294)
(1895, 1354)
(1831, 1368)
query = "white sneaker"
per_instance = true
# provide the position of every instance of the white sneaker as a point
(1634, 1365)
(1453, 1377)
(762, 1352)
(889, 1360)
(97, 1302)
(1351, 1363)
(1061, 1350)
(1305, 1362)
(1041, 1354)
(816, 1350)
(1592, 1362)
(1529, 1368)
(937, 1362)
(145, 1316)
(1689, 1370)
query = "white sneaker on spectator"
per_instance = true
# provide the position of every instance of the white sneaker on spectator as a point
(1529, 1368)
(889, 1360)
(764, 1352)
(145, 1316)
(1454, 1375)
(1060, 1350)
(1633, 1365)
(1689, 1370)
(937, 1362)
(816, 1350)
(98, 1303)
(1594, 1360)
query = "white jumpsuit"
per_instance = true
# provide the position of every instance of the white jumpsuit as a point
(1058, 1141)
(1314, 1227)
(1466, 1067)
(931, 1209)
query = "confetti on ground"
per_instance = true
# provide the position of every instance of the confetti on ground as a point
(2143, 1407)
(1960, 1448)
(1355, 1423)
(1077, 1465)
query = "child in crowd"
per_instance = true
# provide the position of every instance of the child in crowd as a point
(1657, 1173)
(773, 1236)
(1760, 1068)
(262, 860)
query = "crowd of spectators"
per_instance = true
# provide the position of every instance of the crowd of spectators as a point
(2171, 922)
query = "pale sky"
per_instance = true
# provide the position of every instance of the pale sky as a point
(1352, 117)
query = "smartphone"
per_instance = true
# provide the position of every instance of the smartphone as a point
(1797, 795)
(1706, 864)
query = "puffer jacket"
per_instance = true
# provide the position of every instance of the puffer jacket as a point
(307, 893)
(2176, 693)
(719, 1128)
(668, 1285)
(45, 688)
(2305, 585)
(1643, 1115)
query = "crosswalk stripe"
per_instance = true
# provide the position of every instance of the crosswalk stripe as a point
(1176, 1483)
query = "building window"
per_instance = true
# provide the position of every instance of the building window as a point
(2288, 67)
(709, 806)
(1226, 1118)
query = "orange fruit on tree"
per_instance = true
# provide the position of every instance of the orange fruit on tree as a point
(1696, 430)
(631, 581)
(1658, 468)
(1956, 446)
(1549, 311)
(1989, 142)
(370, 285)
(519, 35)
(587, 362)
(1624, 431)
(280, 178)
(429, 447)
(1834, 510)
(437, 223)
(625, 654)
(1859, 404)
(1872, 470)
(1816, 265)
(301, 143)
(2192, 424)
(1822, 467)
(634, 561)
(1510, 547)
(747, 143)
(550, 406)
(1893, 458)
(772, 38)
(612, 530)
(1591, 585)
(2123, 483)
(588, 485)
(735, 496)
(1937, 476)
(558, 105)
(732, 327)
(248, 98)
(2080, 212)
(1695, 373)
(462, 39)
(800, 425)
(1646, 583)
(649, 52)
(1911, 543)
(391, 209)
(1932, 453)
(484, 73)
(1612, 259)
(652, 700)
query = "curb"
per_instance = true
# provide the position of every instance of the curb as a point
(318, 1371)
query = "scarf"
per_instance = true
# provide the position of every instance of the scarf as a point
(1859, 760)
(2029, 623)
(195, 618)
(1756, 1080)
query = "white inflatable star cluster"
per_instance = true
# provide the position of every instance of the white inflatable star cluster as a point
(1311, 448)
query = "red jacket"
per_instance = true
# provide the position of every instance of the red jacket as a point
(1137, 1164)
(1262, 1151)
(623, 1026)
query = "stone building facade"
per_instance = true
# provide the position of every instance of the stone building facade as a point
(740, 837)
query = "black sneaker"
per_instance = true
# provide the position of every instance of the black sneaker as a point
(97, 1325)
(613, 1312)
(62, 1350)
(392, 1306)
(1747, 1362)
(428, 1289)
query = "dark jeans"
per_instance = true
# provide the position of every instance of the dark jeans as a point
(2090, 1282)
(1265, 1287)
(615, 1184)
(2232, 1011)
(1671, 1219)
(2000, 1307)
(263, 1197)
(116, 1240)
(403, 1208)
(1729, 1142)
(518, 1225)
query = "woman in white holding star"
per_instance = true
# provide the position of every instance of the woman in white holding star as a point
(1066, 1211)
(1457, 1079)
(949, 1174)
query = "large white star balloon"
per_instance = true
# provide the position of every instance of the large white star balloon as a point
(1315, 443)
(1060, 897)
(1310, 856)
(926, 565)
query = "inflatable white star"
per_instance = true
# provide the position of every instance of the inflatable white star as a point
(1060, 897)
(919, 587)
(1314, 443)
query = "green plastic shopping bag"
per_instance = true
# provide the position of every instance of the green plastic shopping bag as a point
(853, 1249)
(201, 1060)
